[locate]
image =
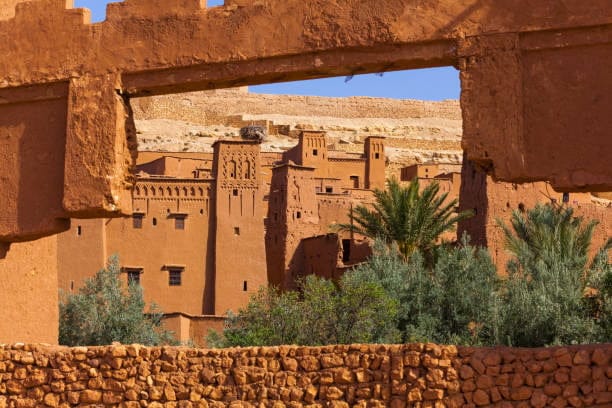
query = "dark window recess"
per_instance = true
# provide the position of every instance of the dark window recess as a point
(236, 231)
(79, 230)
(298, 214)
(244, 286)
(566, 197)
(154, 221)
(137, 221)
(377, 155)
(235, 192)
(133, 275)
(315, 152)
(71, 285)
(355, 181)
(346, 250)
(179, 222)
(329, 189)
(175, 276)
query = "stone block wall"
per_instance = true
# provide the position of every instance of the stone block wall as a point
(413, 375)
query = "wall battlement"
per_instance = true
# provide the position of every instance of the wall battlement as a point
(411, 375)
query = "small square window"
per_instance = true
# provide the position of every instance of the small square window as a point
(175, 276)
(133, 275)
(329, 189)
(236, 231)
(298, 215)
(377, 155)
(235, 192)
(137, 221)
(315, 152)
(179, 222)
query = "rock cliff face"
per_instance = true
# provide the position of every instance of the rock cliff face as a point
(416, 131)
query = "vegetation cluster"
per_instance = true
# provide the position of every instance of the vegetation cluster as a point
(104, 311)
(415, 288)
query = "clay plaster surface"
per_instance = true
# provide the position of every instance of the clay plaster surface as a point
(192, 47)
(533, 107)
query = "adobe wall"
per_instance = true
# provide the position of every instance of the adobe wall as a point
(190, 329)
(65, 70)
(81, 252)
(239, 245)
(412, 375)
(491, 200)
(28, 292)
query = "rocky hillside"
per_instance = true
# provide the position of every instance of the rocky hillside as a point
(416, 131)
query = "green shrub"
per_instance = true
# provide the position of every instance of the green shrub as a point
(104, 311)
(355, 311)
(451, 302)
(543, 301)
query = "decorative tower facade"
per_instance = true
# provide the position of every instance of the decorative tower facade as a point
(240, 260)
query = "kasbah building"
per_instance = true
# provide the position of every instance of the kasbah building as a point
(210, 227)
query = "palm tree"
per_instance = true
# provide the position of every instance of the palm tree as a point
(412, 219)
(548, 234)
(543, 301)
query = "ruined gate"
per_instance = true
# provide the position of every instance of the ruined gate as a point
(535, 75)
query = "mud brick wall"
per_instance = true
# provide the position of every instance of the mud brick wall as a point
(414, 375)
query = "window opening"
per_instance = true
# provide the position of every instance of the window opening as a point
(329, 189)
(154, 222)
(79, 230)
(179, 222)
(133, 275)
(346, 250)
(235, 192)
(315, 152)
(244, 286)
(355, 180)
(236, 231)
(566, 198)
(298, 215)
(175, 276)
(232, 166)
(377, 155)
(137, 221)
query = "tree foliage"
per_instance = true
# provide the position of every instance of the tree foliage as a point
(104, 311)
(552, 294)
(412, 219)
(355, 311)
(544, 298)
(451, 301)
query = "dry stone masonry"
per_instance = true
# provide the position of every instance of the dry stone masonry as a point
(412, 375)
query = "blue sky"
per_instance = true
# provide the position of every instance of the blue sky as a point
(427, 84)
